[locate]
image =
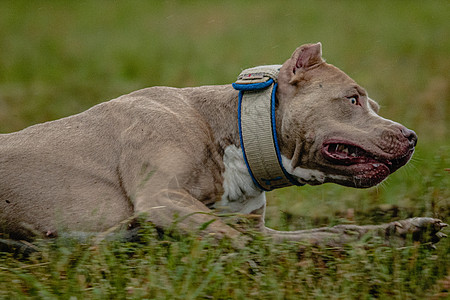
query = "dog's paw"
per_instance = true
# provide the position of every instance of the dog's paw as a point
(424, 230)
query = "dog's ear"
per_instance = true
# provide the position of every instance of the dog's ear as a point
(307, 57)
(303, 59)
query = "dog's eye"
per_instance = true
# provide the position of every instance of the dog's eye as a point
(354, 100)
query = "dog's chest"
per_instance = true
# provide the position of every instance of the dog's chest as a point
(240, 193)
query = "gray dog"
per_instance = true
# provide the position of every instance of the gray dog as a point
(185, 154)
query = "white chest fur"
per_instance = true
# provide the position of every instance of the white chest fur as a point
(240, 193)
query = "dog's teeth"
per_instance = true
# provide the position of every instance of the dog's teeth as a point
(375, 165)
(340, 147)
(345, 150)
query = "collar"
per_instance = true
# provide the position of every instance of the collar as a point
(257, 127)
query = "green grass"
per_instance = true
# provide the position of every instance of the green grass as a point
(198, 269)
(58, 58)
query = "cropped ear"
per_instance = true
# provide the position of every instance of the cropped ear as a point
(307, 57)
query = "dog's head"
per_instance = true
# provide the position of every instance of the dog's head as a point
(329, 129)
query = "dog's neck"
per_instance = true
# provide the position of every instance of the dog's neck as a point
(218, 106)
(240, 192)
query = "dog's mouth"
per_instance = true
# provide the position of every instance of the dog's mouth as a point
(367, 169)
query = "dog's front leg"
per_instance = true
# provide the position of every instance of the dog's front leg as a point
(425, 230)
(175, 210)
(329, 236)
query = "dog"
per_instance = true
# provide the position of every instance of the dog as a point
(175, 154)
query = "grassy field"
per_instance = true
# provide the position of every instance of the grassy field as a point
(58, 58)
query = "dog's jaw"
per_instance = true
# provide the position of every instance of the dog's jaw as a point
(369, 168)
(333, 166)
(310, 176)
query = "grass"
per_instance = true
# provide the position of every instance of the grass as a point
(198, 269)
(61, 57)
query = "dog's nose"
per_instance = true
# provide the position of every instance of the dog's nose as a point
(410, 135)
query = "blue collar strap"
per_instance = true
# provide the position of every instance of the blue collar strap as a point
(257, 127)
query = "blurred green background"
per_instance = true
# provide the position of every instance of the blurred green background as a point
(58, 58)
